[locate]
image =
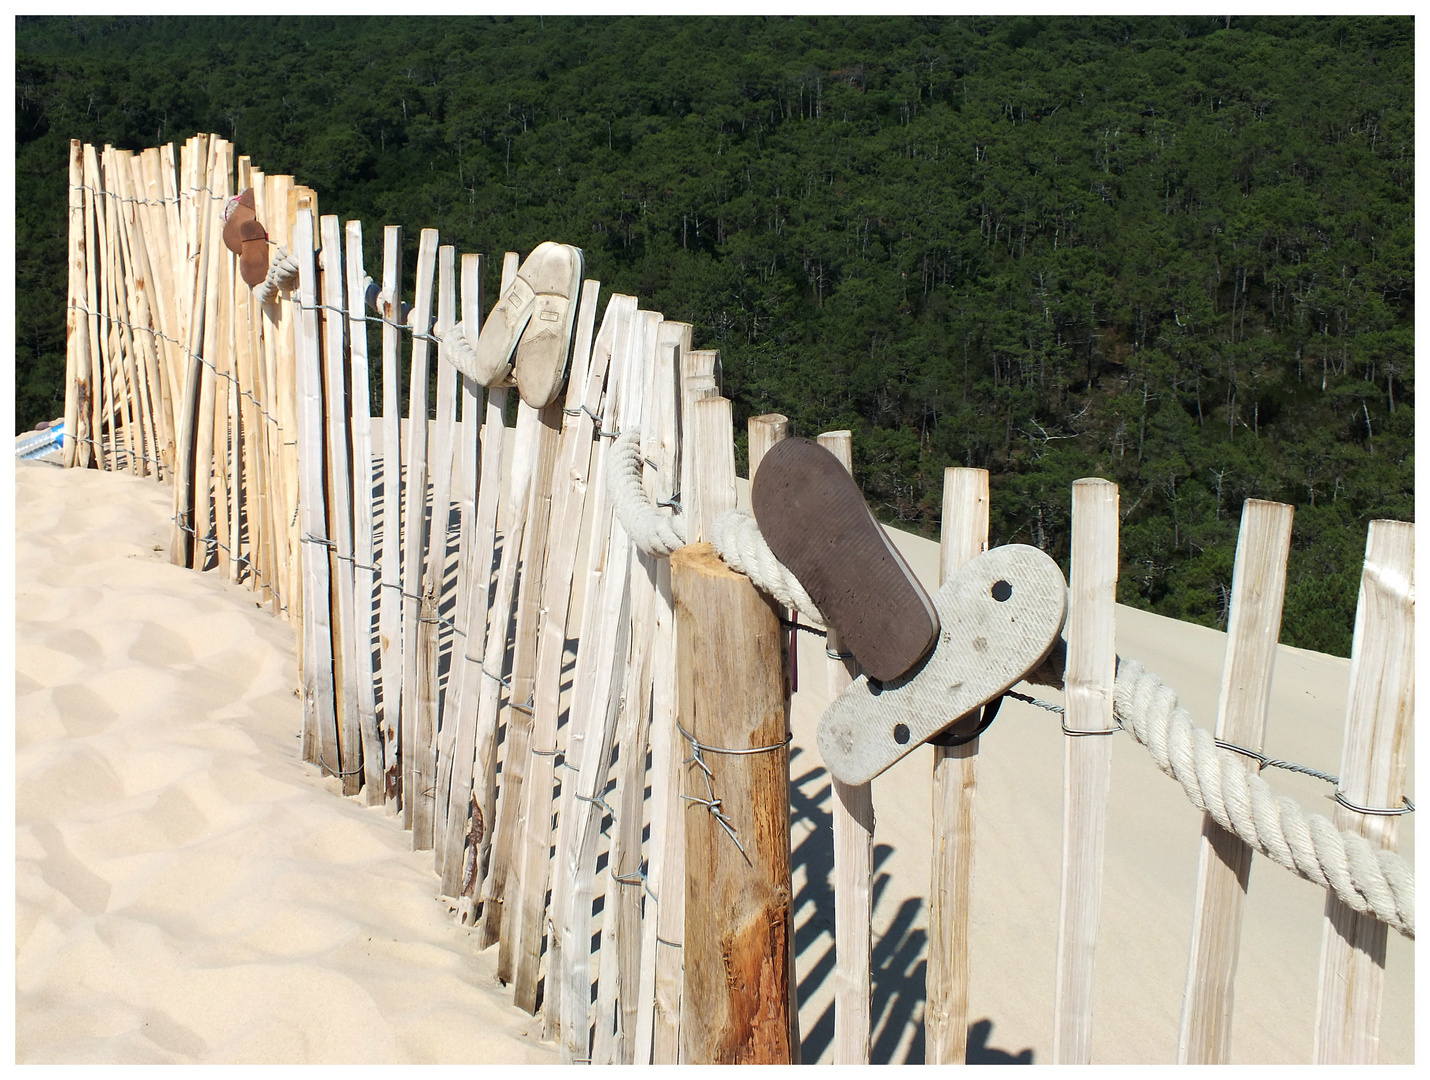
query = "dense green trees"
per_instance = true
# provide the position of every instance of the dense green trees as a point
(1173, 252)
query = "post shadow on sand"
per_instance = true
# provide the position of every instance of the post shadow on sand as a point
(899, 958)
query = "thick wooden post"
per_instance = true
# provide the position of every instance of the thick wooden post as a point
(1224, 867)
(955, 782)
(738, 928)
(1379, 714)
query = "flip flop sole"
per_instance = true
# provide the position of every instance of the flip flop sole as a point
(253, 256)
(999, 616)
(241, 213)
(814, 518)
(504, 325)
(554, 272)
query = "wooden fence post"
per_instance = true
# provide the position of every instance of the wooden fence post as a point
(1224, 864)
(853, 827)
(77, 388)
(1087, 760)
(955, 782)
(1379, 714)
(738, 928)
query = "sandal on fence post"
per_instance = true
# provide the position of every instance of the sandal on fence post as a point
(816, 522)
(504, 325)
(554, 273)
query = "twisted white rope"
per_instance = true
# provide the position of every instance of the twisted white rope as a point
(653, 532)
(1363, 876)
(735, 535)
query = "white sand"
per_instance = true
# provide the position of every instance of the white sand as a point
(188, 891)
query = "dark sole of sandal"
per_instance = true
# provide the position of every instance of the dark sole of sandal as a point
(814, 518)
(253, 262)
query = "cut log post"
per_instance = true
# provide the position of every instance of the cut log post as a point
(709, 439)
(853, 827)
(739, 930)
(763, 432)
(1379, 715)
(1087, 761)
(1224, 864)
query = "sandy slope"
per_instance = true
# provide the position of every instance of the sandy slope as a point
(187, 891)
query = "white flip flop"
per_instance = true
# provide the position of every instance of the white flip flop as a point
(999, 616)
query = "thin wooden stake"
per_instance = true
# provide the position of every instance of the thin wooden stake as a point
(340, 521)
(389, 628)
(1224, 864)
(372, 748)
(853, 827)
(1087, 762)
(1379, 715)
(414, 522)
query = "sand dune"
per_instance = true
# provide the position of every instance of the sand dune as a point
(188, 891)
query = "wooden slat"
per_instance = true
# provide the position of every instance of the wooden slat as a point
(460, 849)
(506, 812)
(319, 713)
(461, 685)
(389, 629)
(76, 323)
(604, 639)
(493, 658)
(1379, 715)
(567, 502)
(513, 820)
(589, 363)
(439, 469)
(414, 520)
(852, 811)
(340, 509)
(1087, 762)
(1224, 863)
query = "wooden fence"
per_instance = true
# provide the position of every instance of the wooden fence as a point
(484, 650)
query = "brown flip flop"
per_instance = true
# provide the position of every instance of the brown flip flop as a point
(238, 214)
(815, 521)
(253, 257)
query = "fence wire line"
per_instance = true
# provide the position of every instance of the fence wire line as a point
(186, 352)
